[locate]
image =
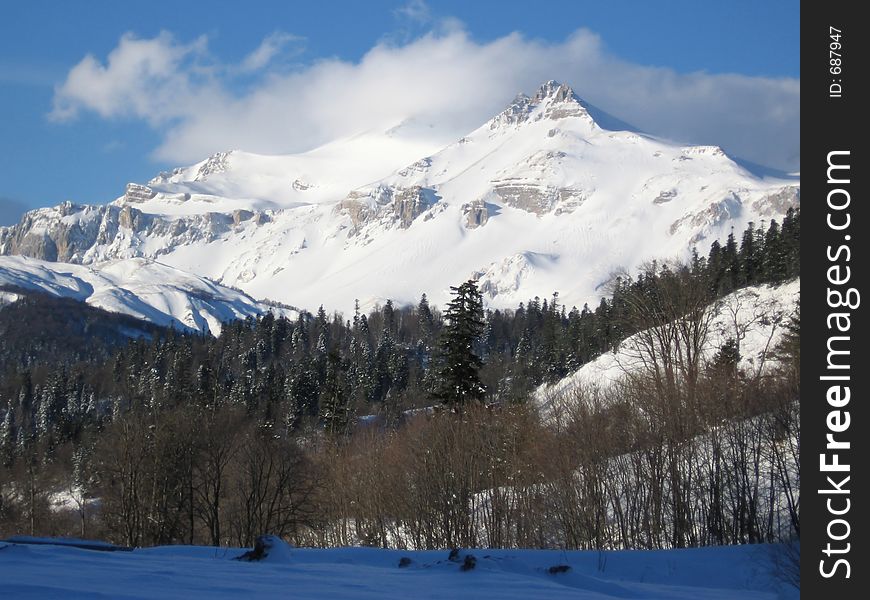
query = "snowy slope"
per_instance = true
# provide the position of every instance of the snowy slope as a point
(40, 571)
(754, 315)
(238, 180)
(549, 195)
(137, 287)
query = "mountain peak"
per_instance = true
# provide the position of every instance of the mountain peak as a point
(553, 100)
(555, 91)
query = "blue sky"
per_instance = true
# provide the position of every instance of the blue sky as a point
(96, 94)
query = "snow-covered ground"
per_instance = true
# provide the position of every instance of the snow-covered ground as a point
(722, 573)
(756, 316)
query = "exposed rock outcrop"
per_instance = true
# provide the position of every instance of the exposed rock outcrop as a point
(300, 185)
(716, 212)
(83, 234)
(536, 198)
(556, 101)
(388, 206)
(173, 176)
(476, 214)
(779, 202)
(216, 163)
(665, 196)
(138, 193)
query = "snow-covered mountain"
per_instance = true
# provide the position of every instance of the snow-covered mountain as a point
(137, 287)
(550, 195)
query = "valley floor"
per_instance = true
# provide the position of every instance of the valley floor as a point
(45, 571)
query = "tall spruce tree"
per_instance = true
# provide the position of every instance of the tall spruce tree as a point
(459, 381)
(730, 258)
(335, 412)
(7, 438)
(749, 257)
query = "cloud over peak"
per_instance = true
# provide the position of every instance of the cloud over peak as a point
(443, 78)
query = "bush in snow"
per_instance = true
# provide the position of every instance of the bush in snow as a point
(267, 547)
(469, 563)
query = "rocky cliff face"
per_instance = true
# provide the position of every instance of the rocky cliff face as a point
(778, 202)
(61, 233)
(82, 234)
(387, 207)
(536, 198)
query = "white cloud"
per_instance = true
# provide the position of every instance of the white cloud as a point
(271, 46)
(444, 78)
(154, 79)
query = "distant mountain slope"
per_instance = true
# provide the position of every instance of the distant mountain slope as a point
(39, 328)
(550, 195)
(137, 287)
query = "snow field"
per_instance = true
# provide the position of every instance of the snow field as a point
(745, 572)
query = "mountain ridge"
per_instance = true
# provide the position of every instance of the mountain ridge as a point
(146, 290)
(541, 197)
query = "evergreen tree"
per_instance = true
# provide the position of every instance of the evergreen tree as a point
(427, 321)
(749, 257)
(299, 338)
(301, 392)
(247, 382)
(382, 378)
(603, 326)
(716, 268)
(523, 370)
(203, 393)
(389, 314)
(7, 438)
(335, 412)
(774, 262)
(43, 415)
(731, 262)
(459, 381)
